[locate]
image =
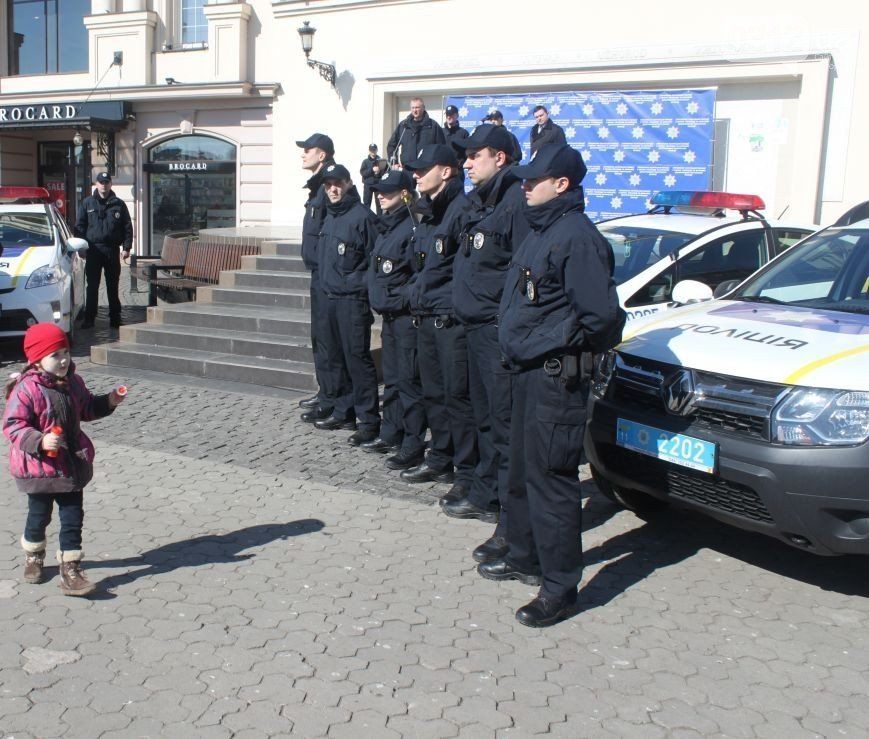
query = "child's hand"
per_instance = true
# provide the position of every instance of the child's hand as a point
(51, 442)
(116, 397)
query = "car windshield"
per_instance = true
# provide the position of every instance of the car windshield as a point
(829, 270)
(635, 248)
(25, 229)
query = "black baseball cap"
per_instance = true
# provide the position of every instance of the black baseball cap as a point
(395, 180)
(336, 172)
(103, 177)
(372, 147)
(495, 115)
(554, 160)
(318, 141)
(488, 134)
(451, 110)
(428, 156)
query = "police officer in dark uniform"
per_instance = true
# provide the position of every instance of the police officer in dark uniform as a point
(371, 171)
(495, 223)
(455, 134)
(443, 362)
(104, 221)
(558, 308)
(496, 117)
(346, 241)
(317, 154)
(402, 429)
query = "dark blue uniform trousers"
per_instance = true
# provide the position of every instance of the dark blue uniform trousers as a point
(349, 329)
(101, 259)
(324, 355)
(443, 369)
(490, 388)
(403, 410)
(544, 499)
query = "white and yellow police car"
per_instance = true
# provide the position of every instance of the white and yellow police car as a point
(716, 238)
(753, 409)
(41, 270)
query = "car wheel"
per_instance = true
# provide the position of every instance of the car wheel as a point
(633, 500)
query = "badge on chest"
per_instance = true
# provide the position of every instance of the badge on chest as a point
(342, 248)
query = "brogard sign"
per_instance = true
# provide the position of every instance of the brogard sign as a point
(37, 113)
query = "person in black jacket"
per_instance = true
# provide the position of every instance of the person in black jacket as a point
(402, 430)
(494, 225)
(497, 117)
(372, 169)
(455, 135)
(412, 134)
(104, 221)
(346, 241)
(559, 307)
(545, 130)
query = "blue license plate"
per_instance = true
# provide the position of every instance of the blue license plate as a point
(676, 448)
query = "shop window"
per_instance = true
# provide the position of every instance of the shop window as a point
(47, 36)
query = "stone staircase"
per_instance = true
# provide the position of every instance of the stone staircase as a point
(254, 326)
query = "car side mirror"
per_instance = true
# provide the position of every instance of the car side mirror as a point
(76, 244)
(691, 291)
(724, 288)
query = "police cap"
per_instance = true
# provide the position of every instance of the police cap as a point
(103, 177)
(318, 141)
(554, 160)
(393, 181)
(428, 156)
(495, 115)
(488, 134)
(336, 172)
(451, 110)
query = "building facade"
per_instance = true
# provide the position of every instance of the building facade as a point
(195, 107)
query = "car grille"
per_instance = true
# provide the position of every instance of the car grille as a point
(718, 402)
(697, 487)
(14, 320)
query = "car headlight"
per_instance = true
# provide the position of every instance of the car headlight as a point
(603, 373)
(43, 276)
(817, 417)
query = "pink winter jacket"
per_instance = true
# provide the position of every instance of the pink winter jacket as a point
(34, 406)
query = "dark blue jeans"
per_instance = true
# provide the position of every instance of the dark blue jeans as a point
(71, 511)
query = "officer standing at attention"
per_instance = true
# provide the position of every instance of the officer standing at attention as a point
(371, 171)
(558, 308)
(317, 153)
(346, 242)
(442, 344)
(402, 429)
(104, 221)
(495, 224)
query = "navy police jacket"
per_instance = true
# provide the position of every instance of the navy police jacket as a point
(315, 213)
(391, 266)
(104, 222)
(435, 245)
(494, 224)
(559, 297)
(346, 242)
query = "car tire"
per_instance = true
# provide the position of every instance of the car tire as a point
(633, 500)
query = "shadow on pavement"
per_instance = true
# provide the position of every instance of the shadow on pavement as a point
(209, 549)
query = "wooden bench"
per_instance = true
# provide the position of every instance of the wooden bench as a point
(170, 263)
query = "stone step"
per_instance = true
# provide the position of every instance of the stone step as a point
(281, 248)
(210, 365)
(220, 340)
(254, 296)
(273, 263)
(265, 279)
(252, 319)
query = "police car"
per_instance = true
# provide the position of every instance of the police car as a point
(753, 409)
(708, 237)
(41, 271)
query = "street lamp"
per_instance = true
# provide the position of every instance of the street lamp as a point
(327, 71)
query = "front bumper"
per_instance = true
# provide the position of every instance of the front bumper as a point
(813, 498)
(20, 308)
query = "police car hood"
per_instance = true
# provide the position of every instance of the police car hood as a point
(772, 343)
(18, 261)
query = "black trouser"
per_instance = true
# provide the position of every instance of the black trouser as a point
(324, 354)
(490, 388)
(349, 329)
(443, 369)
(403, 411)
(101, 258)
(367, 196)
(544, 502)
(70, 510)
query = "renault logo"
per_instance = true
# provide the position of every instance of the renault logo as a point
(678, 393)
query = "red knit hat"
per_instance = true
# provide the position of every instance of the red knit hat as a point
(43, 339)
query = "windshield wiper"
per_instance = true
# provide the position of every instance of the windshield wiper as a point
(760, 299)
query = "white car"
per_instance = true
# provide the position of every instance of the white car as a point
(716, 238)
(41, 270)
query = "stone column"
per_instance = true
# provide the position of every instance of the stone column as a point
(228, 40)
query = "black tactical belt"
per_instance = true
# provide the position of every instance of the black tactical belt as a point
(444, 321)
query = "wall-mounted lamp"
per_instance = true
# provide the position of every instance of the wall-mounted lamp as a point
(77, 139)
(327, 71)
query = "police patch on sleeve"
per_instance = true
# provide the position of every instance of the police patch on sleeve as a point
(342, 247)
(387, 266)
(439, 246)
(479, 240)
(117, 214)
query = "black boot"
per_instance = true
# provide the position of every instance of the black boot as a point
(546, 611)
(423, 473)
(315, 414)
(455, 493)
(491, 549)
(379, 445)
(465, 509)
(334, 424)
(309, 403)
(501, 569)
(362, 436)
(404, 461)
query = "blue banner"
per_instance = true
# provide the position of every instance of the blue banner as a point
(634, 143)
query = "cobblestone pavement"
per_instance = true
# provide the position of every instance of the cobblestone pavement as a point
(259, 578)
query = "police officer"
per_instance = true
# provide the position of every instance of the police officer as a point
(104, 221)
(496, 117)
(371, 171)
(455, 134)
(318, 152)
(559, 306)
(443, 363)
(346, 241)
(402, 430)
(495, 223)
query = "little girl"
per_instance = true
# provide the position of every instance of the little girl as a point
(50, 457)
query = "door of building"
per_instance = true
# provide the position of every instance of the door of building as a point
(63, 170)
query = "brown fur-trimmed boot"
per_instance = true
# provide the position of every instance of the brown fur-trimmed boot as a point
(34, 559)
(72, 579)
